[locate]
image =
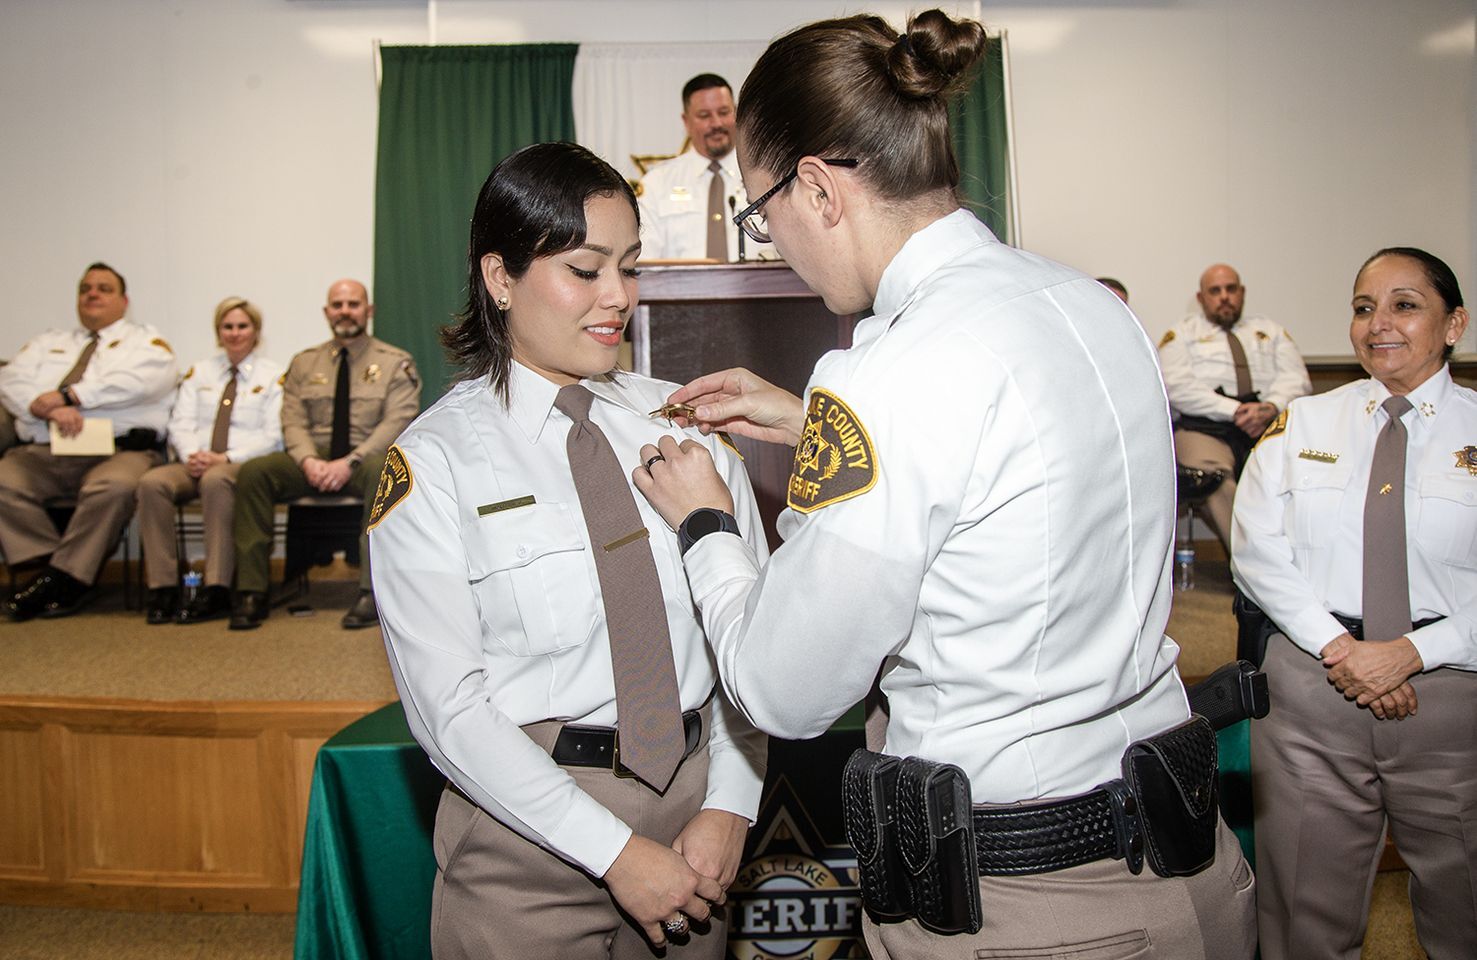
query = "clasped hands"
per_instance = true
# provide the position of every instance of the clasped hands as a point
(1374, 673)
(326, 476)
(52, 406)
(654, 883)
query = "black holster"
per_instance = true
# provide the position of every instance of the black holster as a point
(1253, 629)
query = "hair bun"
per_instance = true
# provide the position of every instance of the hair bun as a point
(935, 55)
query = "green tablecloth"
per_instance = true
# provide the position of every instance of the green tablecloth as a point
(368, 866)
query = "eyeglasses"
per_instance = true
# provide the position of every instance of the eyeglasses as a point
(751, 219)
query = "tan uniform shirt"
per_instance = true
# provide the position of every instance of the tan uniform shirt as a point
(384, 396)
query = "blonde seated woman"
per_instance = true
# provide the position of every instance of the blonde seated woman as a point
(228, 410)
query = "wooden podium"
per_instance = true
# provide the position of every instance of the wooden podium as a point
(695, 318)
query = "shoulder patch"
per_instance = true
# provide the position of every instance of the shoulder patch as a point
(189, 373)
(1277, 426)
(1168, 336)
(162, 344)
(835, 459)
(394, 486)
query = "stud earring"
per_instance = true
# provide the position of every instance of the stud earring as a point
(502, 303)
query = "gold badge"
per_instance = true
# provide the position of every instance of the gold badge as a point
(157, 342)
(835, 459)
(1467, 457)
(1278, 426)
(1168, 336)
(671, 411)
(371, 373)
(394, 486)
(1319, 455)
(189, 373)
(1427, 409)
(1369, 407)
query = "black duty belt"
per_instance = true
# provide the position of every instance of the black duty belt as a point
(1052, 835)
(581, 746)
(1355, 625)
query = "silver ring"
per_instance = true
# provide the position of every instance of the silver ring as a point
(654, 460)
(676, 927)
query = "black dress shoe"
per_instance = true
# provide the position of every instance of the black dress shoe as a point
(363, 613)
(212, 603)
(29, 600)
(65, 594)
(163, 605)
(249, 610)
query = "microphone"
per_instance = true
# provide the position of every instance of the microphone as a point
(733, 212)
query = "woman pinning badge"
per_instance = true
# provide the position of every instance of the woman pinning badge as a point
(540, 628)
(981, 509)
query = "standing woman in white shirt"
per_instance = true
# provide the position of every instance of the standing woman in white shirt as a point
(228, 410)
(981, 507)
(536, 650)
(1355, 530)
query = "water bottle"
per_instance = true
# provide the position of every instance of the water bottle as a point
(1184, 566)
(192, 582)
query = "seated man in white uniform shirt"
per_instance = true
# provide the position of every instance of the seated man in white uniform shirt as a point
(1220, 411)
(106, 367)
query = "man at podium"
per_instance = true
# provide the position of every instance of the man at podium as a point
(687, 202)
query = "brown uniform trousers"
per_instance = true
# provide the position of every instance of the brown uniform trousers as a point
(1204, 452)
(1098, 911)
(104, 489)
(159, 492)
(499, 896)
(1328, 778)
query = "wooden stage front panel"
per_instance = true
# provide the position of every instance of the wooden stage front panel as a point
(142, 805)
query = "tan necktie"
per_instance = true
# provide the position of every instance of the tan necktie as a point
(1386, 577)
(80, 367)
(1243, 369)
(647, 703)
(219, 435)
(717, 236)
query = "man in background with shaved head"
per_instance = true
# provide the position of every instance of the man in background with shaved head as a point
(1228, 377)
(343, 404)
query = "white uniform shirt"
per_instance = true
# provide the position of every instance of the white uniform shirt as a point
(1196, 358)
(1297, 533)
(1011, 562)
(130, 378)
(256, 414)
(494, 618)
(674, 209)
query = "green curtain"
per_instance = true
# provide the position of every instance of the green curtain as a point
(982, 142)
(446, 116)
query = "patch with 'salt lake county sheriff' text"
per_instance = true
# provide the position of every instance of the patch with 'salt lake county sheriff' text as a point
(835, 459)
(394, 486)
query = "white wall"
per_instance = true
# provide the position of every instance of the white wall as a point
(216, 148)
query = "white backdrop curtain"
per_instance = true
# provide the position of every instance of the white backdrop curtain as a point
(628, 96)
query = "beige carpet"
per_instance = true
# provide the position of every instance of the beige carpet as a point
(107, 651)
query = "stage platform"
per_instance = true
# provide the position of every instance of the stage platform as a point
(167, 768)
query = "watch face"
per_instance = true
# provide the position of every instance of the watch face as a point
(703, 522)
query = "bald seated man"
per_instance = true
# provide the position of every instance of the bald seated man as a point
(1220, 412)
(343, 403)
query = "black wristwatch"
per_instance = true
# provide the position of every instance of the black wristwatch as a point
(701, 522)
(68, 397)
